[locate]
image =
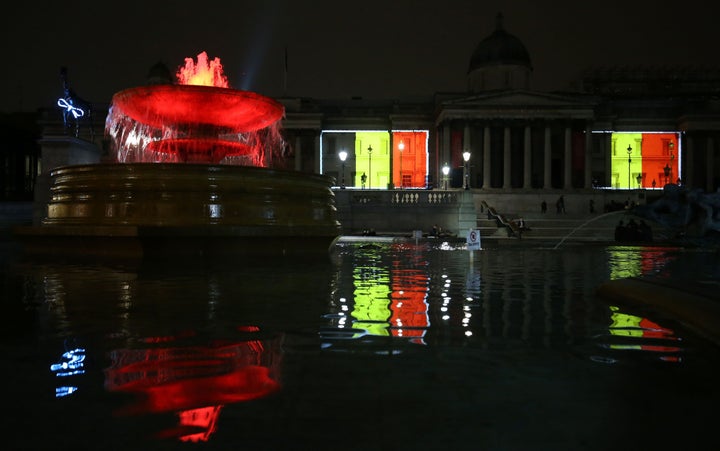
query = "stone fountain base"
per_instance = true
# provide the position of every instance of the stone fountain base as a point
(150, 210)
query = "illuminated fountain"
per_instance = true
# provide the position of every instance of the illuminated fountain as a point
(192, 163)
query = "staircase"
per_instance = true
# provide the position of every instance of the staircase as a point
(587, 227)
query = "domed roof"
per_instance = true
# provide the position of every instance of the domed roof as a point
(159, 74)
(499, 48)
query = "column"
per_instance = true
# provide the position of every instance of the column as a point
(687, 178)
(391, 143)
(486, 157)
(445, 150)
(298, 153)
(588, 157)
(547, 160)
(710, 165)
(527, 158)
(317, 153)
(567, 173)
(466, 138)
(507, 160)
(607, 158)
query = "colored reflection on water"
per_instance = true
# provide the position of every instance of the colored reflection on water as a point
(275, 355)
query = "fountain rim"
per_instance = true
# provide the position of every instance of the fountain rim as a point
(231, 109)
(209, 168)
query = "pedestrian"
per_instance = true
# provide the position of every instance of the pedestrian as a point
(543, 206)
(560, 204)
(363, 179)
(592, 206)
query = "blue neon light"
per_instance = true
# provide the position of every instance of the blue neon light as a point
(72, 109)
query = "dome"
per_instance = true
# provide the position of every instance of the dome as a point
(500, 48)
(159, 74)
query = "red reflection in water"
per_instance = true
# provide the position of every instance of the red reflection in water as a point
(194, 381)
(197, 121)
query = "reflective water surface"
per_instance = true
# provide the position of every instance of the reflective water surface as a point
(386, 345)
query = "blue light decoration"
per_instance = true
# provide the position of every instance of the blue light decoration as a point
(67, 104)
(73, 364)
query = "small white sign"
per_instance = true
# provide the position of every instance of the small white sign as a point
(473, 240)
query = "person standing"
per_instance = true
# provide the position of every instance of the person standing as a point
(560, 204)
(543, 206)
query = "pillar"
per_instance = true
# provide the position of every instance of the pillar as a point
(298, 153)
(445, 156)
(710, 165)
(317, 153)
(507, 160)
(567, 169)
(547, 160)
(588, 157)
(527, 158)
(687, 178)
(486, 157)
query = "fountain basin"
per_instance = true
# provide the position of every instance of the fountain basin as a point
(193, 106)
(166, 210)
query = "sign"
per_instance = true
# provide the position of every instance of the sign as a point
(473, 240)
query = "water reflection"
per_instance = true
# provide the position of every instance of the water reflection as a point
(194, 381)
(220, 353)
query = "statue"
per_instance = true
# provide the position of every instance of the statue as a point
(692, 212)
(74, 107)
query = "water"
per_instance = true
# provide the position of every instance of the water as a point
(386, 345)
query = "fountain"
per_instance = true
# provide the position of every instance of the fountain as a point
(191, 176)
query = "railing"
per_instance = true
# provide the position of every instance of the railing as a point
(400, 198)
(502, 221)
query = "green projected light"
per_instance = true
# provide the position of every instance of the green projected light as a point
(372, 158)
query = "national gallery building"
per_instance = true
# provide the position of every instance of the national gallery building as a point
(626, 129)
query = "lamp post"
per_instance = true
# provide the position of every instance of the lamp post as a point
(369, 167)
(343, 156)
(445, 171)
(401, 147)
(667, 170)
(629, 151)
(466, 174)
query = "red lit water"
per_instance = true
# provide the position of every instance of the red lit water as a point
(198, 120)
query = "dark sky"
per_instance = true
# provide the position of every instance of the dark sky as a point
(336, 49)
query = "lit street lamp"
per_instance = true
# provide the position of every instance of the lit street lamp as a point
(369, 167)
(343, 156)
(445, 171)
(466, 174)
(629, 151)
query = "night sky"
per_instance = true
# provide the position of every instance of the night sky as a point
(390, 49)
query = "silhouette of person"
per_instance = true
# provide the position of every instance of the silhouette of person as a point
(543, 207)
(620, 231)
(363, 179)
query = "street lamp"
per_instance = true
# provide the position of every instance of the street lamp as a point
(401, 147)
(343, 156)
(466, 174)
(629, 151)
(369, 167)
(445, 171)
